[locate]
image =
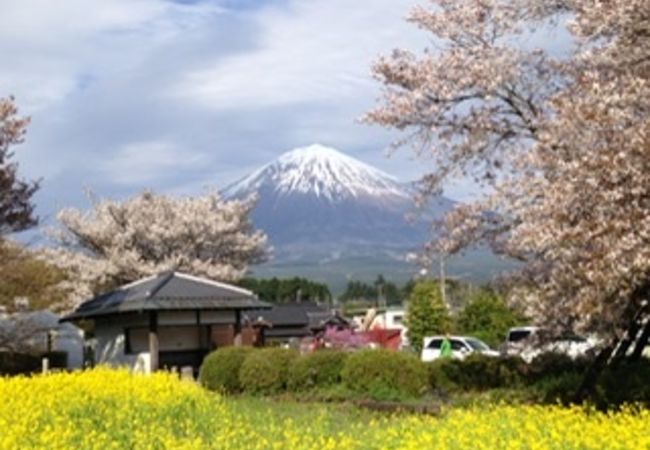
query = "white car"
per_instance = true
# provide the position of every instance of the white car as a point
(461, 346)
(530, 342)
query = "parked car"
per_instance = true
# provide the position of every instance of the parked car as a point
(530, 342)
(461, 346)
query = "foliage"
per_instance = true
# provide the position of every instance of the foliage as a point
(119, 242)
(387, 291)
(101, 408)
(476, 372)
(318, 369)
(549, 378)
(220, 369)
(380, 290)
(560, 388)
(627, 383)
(23, 274)
(266, 371)
(487, 317)
(444, 374)
(358, 290)
(553, 378)
(384, 375)
(561, 141)
(278, 290)
(16, 208)
(12, 363)
(426, 314)
(554, 364)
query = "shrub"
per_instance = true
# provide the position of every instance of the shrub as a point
(220, 369)
(558, 388)
(22, 363)
(480, 372)
(318, 369)
(443, 374)
(265, 371)
(18, 363)
(553, 365)
(385, 375)
(627, 383)
(476, 372)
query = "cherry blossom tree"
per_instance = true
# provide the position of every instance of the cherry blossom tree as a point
(119, 242)
(560, 143)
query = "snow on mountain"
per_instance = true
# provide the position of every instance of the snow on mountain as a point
(317, 200)
(321, 171)
(331, 217)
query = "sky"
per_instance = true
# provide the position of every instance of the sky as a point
(176, 96)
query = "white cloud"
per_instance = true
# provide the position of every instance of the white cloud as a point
(147, 162)
(132, 93)
(315, 51)
(48, 45)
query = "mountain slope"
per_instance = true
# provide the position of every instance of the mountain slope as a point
(332, 217)
(321, 172)
(319, 201)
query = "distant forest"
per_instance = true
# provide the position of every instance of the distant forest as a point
(296, 289)
(288, 290)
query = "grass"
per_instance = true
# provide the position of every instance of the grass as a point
(334, 418)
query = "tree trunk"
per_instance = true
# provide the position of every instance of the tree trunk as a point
(638, 297)
(596, 368)
(641, 342)
(626, 342)
(593, 373)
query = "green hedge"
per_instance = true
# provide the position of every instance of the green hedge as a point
(475, 373)
(628, 383)
(385, 375)
(549, 378)
(265, 371)
(553, 365)
(319, 369)
(19, 363)
(220, 369)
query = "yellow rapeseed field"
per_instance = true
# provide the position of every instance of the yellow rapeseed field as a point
(104, 409)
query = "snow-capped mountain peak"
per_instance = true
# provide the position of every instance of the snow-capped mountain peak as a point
(321, 171)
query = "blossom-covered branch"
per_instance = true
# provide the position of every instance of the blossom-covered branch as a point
(119, 242)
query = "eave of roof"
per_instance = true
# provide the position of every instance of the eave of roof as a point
(159, 296)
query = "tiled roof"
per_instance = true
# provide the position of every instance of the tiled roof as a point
(169, 291)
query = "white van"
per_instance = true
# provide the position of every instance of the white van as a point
(461, 346)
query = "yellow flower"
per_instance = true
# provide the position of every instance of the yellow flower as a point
(104, 408)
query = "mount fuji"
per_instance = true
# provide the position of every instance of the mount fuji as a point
(331, 217)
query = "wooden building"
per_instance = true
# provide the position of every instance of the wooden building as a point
(287, 321)
(171, 319)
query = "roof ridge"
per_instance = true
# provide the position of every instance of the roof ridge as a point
(211, 282)
(164, 278)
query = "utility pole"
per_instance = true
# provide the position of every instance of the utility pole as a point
(443, 290)
(380, 294)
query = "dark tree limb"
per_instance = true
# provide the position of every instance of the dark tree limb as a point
(593, 373)
(641, 342)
